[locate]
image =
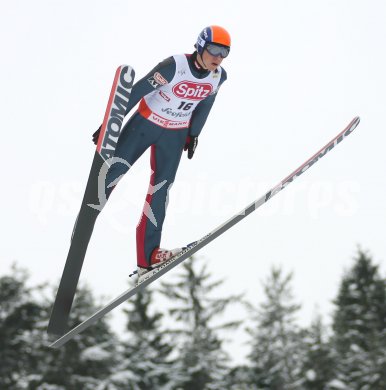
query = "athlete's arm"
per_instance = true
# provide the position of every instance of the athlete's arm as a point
(166, 69)
(201, 112)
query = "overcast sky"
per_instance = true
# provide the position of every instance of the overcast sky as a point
(298, 72)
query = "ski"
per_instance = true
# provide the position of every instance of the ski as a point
(84, 225)
(192, 248)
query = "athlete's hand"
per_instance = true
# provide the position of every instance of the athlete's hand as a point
(95, 136)
(191, 145)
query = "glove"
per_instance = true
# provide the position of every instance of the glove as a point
(191, 145)
(95, 136)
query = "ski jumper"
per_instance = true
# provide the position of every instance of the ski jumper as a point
(175, 100)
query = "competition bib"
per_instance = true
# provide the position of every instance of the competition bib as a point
(171, 105)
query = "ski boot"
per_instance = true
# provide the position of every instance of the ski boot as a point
(157, 258)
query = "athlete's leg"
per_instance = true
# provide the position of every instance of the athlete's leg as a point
(165, 158)
(135, 138)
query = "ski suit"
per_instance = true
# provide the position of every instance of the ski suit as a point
(175, 100)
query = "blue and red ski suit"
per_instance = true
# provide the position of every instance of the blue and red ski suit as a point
(164, 128)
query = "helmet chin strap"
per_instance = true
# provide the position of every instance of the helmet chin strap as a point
(202, 60)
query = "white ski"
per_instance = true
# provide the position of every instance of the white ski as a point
(192, 248)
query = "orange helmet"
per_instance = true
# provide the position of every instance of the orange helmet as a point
(214, 35)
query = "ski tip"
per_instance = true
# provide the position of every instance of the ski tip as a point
(130, 69)
(353, 124)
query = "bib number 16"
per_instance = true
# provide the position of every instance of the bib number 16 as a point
(185, 106)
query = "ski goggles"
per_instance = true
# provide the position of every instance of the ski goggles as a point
(216, 50)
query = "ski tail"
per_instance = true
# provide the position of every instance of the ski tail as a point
(81, 235)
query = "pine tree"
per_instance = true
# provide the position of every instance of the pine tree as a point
(27, 362)
(277, 350)
(360, 326)
(240, 378)
(318, 369)
(19, 315)
(201, 360)
(144, 357)
(83, 361)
